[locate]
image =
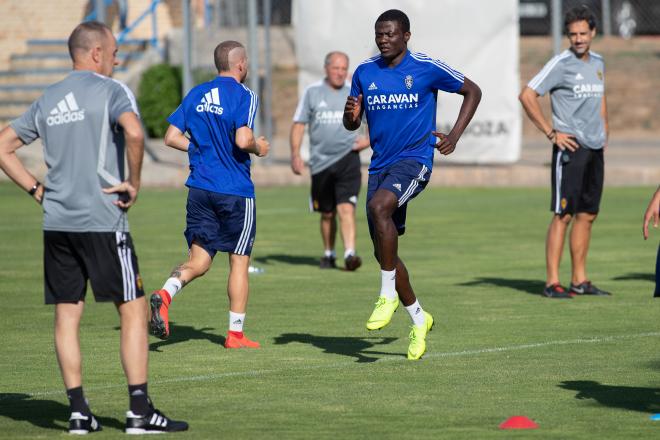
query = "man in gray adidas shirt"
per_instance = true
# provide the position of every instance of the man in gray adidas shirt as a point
(334, 160)
(87, 123)
(576, 82)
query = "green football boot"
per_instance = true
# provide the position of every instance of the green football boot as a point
(382, 314)
(417, 337)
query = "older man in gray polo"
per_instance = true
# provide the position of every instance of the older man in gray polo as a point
(334, 158)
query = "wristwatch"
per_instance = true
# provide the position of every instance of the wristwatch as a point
(34, 188)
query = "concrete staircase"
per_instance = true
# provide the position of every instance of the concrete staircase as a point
(44, 63)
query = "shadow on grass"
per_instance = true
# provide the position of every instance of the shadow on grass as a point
(534, 287)
(344, 345)
(631, 398)
(47, 414)
(183, 333)
(297, 260)
(636, 276)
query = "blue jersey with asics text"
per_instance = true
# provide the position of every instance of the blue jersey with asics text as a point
(211, 113)
(400, 106)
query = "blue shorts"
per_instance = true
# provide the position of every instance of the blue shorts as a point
(220, 222)
(405, 179)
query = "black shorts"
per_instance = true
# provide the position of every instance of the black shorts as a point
(106, 259)
(339, 183)
(577, 180)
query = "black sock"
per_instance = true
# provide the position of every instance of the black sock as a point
(140, 404)
(77, 401)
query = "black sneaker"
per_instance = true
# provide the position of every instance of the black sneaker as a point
(80, 423)
(556, 291)
(352, 262)
(586, 288)
(153, 423)
(327, 263)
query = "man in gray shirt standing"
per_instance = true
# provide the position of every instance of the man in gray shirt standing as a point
(576, 82)
(334, 160)
(87, 123)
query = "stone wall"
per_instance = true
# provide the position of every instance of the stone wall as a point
(47, 19)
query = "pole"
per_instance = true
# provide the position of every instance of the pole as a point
(253, 56)
(556, 26)
(99, 5)
(187, 48)
(268, 80)
(607, 18)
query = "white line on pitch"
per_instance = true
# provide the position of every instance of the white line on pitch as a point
(428, 357)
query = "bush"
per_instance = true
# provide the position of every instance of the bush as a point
(159, 94)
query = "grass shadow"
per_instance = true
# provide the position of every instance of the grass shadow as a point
(636, 276)
(533, 287)
(343, 345)
(183, 333)
(639, 399)
(42, 413)
(296, 260)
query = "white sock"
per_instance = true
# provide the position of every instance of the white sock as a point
(172, 285)
(416, 313)
(330, 253)
(236, 321)
(348, 252)
(388, 283)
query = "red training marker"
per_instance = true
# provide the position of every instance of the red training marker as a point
(518, 422)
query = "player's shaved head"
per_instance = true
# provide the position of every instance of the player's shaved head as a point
(331, 55)
(227, 54)
(86, 36)
(398, 16)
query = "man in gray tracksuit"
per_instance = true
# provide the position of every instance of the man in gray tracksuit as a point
(575, 80)
(87, 123)
(334, 161)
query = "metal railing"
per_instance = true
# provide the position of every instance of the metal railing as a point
(128, 28)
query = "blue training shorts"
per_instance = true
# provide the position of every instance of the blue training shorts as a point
(220, 222)
(405, 179)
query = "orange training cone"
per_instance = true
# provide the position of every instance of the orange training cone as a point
(518, 422)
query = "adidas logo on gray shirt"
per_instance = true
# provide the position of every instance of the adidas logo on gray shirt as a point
(66, 111)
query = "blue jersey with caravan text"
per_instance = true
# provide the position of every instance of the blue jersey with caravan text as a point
(400, 106)
(211, 113)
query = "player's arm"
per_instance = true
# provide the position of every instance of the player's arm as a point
(14, 168)
(652, 212)
(295, 141)
(175, 138)
(471, 97)
(603, 114)
(134, 137)
(246, 141)
(362, 141)
(530, 102)
(353, 113)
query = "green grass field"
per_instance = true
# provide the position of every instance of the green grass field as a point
(581, 368)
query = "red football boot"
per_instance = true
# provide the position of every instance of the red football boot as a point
(239, 340)
(159, 322)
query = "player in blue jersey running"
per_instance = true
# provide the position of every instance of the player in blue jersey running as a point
(219, 118)
(397, 90)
